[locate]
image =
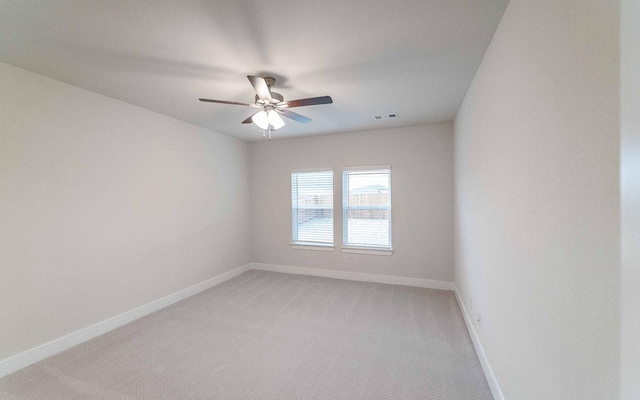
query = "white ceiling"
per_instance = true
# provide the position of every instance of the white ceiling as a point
(413, 57)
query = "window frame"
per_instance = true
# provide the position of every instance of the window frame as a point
(309, 245)
(359, 248)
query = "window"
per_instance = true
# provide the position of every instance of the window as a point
(312, 207)
(366, 208)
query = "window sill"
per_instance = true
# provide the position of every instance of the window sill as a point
(314, 247)
(367, 250)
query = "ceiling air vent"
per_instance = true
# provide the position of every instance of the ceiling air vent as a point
(385, 116)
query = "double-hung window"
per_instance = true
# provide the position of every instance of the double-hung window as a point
(366, 208)
(312, 207)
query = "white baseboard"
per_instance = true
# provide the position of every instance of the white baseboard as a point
(46, 350)
(484, 361)
(356, 276)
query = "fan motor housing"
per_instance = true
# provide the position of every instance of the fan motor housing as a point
(275, 96)
(269, 81)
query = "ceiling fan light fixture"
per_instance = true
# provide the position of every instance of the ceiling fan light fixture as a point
(261, 119)
(265, 118)
(275, 119)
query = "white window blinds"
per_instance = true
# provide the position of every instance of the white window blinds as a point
(312, 207)
(366, 207)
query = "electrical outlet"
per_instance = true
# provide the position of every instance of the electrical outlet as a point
(346, 259)
(479, 319)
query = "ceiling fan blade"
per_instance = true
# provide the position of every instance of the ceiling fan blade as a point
(224, 102)
(260, 85)
(250, 119)
(296, 117)
(310, 102)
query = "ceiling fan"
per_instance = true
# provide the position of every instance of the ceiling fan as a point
(272, 105)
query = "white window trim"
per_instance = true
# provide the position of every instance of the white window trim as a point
(377, 250)
(302, 170)
(314, 247)
(368, 167)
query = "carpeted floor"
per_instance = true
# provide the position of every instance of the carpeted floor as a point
(265, 335)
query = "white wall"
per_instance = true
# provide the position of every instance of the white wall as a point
(421, 160)
(537, 200)
(105, 206)
(630, 190)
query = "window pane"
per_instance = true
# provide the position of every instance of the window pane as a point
(312, 207)
(367, 208)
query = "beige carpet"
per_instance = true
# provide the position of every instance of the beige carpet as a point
(265, 335)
